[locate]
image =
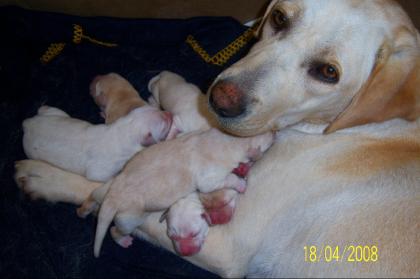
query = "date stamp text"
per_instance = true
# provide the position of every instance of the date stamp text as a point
(348, 253)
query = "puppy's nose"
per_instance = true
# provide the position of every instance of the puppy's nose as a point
(167, 116)
(227, 99)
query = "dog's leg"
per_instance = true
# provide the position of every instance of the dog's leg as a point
(44, 181)
(87, 207)
(235, 182)
(95, 199)
(121, 239)
(125, 224)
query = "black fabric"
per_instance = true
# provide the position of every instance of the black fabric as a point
(39, 239)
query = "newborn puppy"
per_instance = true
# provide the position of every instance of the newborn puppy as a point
(184, 100)
(157, 177)
(187, 224)
(115, 96)
(219, 206)
(97, 152)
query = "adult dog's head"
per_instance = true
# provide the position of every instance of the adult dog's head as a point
(337, 62)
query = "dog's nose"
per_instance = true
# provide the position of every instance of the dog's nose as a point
(167, 116)
(227, 99)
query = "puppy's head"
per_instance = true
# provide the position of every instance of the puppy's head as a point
(219, 205)
(160, 83)
(341, 62)
(151, 124)
(104, 88)
(187, 226)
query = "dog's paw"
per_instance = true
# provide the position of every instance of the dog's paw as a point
(30, 178)
(242, 169)
(87, 208)
(254, 154)
(124, 241)
(233, 181)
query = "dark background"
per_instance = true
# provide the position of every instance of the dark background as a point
(39, 239)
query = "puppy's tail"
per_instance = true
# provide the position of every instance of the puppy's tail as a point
(106, 215)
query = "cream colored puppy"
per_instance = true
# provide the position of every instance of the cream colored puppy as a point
(153, 181)
(41, 180)
(97, 152)
(355, 187)
(115, 96)
(187, 225)
(189, 218)
(184, 100)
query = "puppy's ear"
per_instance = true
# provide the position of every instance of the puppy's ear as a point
(392, 90)
(207, 218)
(267, 13)
(164, 216)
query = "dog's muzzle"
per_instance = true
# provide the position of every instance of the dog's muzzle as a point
(227, 99)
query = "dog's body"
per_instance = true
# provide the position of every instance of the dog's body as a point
(97, 152)
(115, 96)
(354, 187)
(153, 180)
(187, 224)
(327, 190)
(358, 186)
(184, 100)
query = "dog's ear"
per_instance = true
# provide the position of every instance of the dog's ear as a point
(393, 88)
(267, 13)
(164, 216)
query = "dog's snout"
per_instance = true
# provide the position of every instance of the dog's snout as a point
(167, 116)
(226, 99)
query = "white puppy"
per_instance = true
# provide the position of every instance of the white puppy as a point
(187, 225)
(96, 151)
(184, 100)
(157, 177)
(189, 218)
(115, 96)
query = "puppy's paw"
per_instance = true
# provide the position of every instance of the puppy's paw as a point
(254, 154)
(87, 208)
(41, 180)
(242, 169)
(259, 145)
(124, 241)
(233, 181)
(29, 177)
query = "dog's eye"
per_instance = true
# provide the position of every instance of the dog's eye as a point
(279, 20)
(325, 72)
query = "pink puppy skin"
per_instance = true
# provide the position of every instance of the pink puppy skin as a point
(186, 246)
(219, 206)
(242, 169)
(186, 225)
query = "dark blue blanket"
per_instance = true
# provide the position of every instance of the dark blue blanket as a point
(50, 59)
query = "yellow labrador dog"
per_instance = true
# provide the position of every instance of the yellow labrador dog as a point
(338, 194)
